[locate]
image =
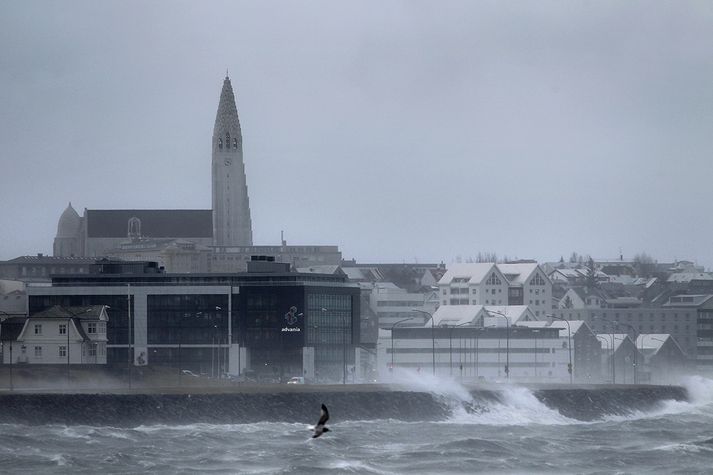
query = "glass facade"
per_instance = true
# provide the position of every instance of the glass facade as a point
(187, 325)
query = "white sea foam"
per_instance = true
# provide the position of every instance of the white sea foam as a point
(518, 405)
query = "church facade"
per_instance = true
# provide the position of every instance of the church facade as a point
(188, 240)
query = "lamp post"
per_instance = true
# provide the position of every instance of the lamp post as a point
(612, 347)
(2, 319)
(392, 338)
(570, 368)
(507, 351)
(634, 332)
(450, 344)
(613, 366)
(433, 338)
(659, 340)
(69, 321)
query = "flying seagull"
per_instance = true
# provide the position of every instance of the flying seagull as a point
(319, 429)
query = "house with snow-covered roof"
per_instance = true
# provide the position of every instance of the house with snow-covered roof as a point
(473, 284)
(528, 285)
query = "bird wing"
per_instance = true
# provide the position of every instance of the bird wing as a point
(323, 416)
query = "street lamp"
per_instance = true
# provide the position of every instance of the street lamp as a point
(433, 338)
(634, 332)
(69, 320)
(659, 340)
(570, 368)
(507, 325)
(392, 338)
(613, 362)
(613, 366)
(450, 344)
(9, 315)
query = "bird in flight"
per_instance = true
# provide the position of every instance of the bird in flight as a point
(319, 429)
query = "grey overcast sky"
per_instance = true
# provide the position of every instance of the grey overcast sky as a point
(400, 130)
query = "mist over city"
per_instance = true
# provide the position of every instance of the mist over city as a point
(295, 237)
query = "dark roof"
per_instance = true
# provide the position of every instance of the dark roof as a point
(155, 223)
(11, 328)
(89, 312)
(42, 259)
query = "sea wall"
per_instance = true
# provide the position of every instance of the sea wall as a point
(303, 406)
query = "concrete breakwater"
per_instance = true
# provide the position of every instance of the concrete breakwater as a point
(276, 404)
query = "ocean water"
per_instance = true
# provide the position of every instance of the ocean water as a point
(516, 434)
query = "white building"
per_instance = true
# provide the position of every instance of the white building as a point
(458, 345)
(75, 335)
(497, 285)
(473, 284)
(536, 287)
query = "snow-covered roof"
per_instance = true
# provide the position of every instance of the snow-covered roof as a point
(575, 325)
(514, 313)
(687, 300)
(518, 273)
(320, 269)
(474, 272)
(685, 277)
(605, 339)
(651, 341)
(353, 273)
(451, 315)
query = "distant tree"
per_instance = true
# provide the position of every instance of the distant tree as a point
(644, 265)
(591, 277)
(568, 302)
(486, 257)
(573, 258)
(561, 259)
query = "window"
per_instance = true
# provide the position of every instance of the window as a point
(62, 328)
(235, 143)
(92, 350)
(537, 280)
(63, 351)
(38, 352)
(102, 327)
(38, 329)
(493, 280)
(91, 327)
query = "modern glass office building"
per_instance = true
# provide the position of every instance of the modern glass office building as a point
(267, 323)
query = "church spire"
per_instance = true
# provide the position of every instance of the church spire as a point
(232, 225)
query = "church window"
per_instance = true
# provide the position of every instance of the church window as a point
(220, 143)
(227, 140)
(235, 143)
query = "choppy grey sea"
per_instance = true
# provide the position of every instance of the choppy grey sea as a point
(518, 434)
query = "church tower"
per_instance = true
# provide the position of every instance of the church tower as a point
(232, 225)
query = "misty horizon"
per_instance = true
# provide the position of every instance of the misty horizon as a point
(401, 132)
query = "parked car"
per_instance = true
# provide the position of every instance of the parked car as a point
(188, 372)
(296, 380)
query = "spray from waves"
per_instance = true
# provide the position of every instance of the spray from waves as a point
(510, 405)
(700, 401)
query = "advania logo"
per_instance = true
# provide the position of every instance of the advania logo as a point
(291, 316)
